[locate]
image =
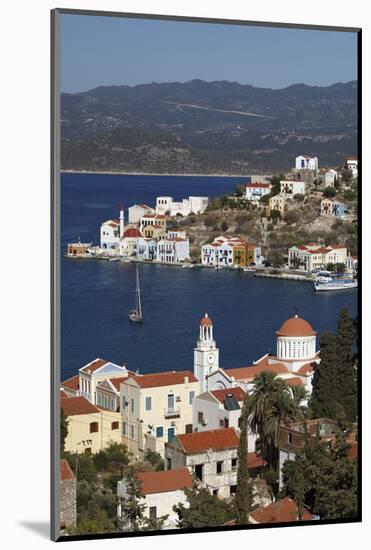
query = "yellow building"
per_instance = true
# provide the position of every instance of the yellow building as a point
(156, 232)
(240, 255)
(277, 202)
(152, 220)
(155, 408)
(90, 428)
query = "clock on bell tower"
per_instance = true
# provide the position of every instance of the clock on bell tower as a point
(206, 354)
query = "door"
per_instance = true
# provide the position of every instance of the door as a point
(170, 433)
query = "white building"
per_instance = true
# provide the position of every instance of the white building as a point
(211, 457)
(289, 188)
(195, 205)
(111, 231)
(160, 492)
(255, 191)
(129, 242)
(352, 166)
(137, 211)
(172, 250)
(303, 162)
(330, 177)
(312, 257)
(145, 249)
(94, 372)
(206, 354)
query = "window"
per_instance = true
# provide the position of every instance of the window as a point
(219, 467)
(233, 489)
(191, 397)
(148, 403)
(93, 427)
(159, 431)
(200, 417)
(123, 402)
(215, 492)
(289, 437)
(234, 463)
(170, 433)
(132, 431)
(153, 513)
(170, 402)
(199, 471)
(188, 428)
(114, 425)
(132, 406)
(124, 428)
(168, 463)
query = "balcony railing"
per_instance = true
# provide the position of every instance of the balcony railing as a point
(172, 413)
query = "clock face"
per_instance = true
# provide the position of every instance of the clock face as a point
(210, 358)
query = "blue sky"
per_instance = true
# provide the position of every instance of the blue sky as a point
(98, 51)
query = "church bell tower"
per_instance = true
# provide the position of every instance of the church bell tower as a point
(206, 354)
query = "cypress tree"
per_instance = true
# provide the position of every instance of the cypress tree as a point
(323, 402)
(243, 498)
(347, 376)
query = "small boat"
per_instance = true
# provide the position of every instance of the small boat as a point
(340, 284)
(114, 259)
(135, 315)
(323, 277)
(249, 269)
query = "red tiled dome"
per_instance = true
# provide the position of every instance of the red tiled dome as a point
(296, 326)
(132, 232)
(206, 321)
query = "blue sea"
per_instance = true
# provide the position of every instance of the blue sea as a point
(97, 295)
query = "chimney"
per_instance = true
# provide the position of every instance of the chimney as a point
(186, 379)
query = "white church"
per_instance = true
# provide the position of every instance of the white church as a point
(295, 359)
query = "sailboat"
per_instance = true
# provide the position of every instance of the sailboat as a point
(135, 315)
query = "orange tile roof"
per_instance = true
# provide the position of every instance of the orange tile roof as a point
(249, 373)
(65, 470)
(284, 510)
(168, 378)
(63, 394)
(255, 461)
(196, 442)
(117, 381)
(164, 481)
(72, 383)
(77, 405)
(296, 326)
(306, 369)
(294, 381)
(94, 365)
(238, 393)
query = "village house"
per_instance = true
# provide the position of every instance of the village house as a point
(291, 439)
(137, 211)
(330, 177)
(352, 165)
(90, 428)
(145, 249)
(67, 501)
(156, 407)
(211, 457)
(111, 231)
(255, 191)
(303, 162)
(312, 257)
(290, 188)
(148, 220)
(173, 250)
(284, 510)
(278, 202)
(78, 249)
(128, 242)
(94, 372)
(332, 208)
(226, 251)
(192, 205)
(351, 263)
(176, 233)
(161, 491)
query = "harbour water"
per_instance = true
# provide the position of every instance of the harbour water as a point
(97, 295)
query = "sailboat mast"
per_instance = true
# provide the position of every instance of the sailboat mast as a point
(139, 305)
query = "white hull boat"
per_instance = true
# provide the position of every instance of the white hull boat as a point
(335, 285)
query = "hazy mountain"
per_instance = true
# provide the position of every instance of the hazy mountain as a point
(209, 126)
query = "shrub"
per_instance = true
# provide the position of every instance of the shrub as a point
(329, 192)
(224, 226)
(211, 220)
(291, 217)
(270, 227)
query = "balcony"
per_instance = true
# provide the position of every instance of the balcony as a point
(172, 413)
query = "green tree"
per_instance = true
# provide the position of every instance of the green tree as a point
(63, 430)
(114, 458)
(329, 192)
(132, 507)
(96, 508)
(240, 190)
(296, 482)
(224, 225)
(203, 510)
(299, 197)
(347, 374)
(323, 402)
(243, 498)
(291, 217)
(211, 220)
(155, 459)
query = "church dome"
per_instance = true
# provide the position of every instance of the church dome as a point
(132, 232)
(296, 326)
(206, 321)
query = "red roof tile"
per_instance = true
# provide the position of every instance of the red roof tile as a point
(196, 442)
(284, 510)
(255, 461)
(63, 394)
(238, 393)
(263, 185)
(72, 383)
(164, 481)
(249, 373)
(168, 378)
(132, 232)
(306, 369)
(65, 470)
(77, 405)
(296, 326)
(294, 381)
(117, 381)
(94, 365)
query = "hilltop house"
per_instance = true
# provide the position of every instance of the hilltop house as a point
(255, 191)
(303, 162)
(156, 407)
(161, 491)
(290, 188)
(352, 165)
(226, 251)
(137, 211)
(278, 202)
(332, 208)
(195, 205)
(211, 457)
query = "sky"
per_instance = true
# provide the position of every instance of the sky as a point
(101, 51)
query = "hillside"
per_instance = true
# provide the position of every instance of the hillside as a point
(206, 127)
